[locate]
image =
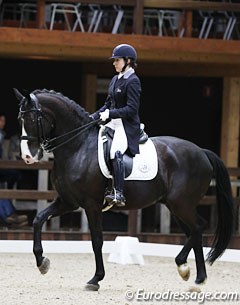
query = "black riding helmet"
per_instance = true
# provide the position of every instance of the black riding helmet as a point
(125, 51)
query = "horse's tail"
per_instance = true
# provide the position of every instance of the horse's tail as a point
(225, 208)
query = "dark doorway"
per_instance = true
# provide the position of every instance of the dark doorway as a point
(184, 107)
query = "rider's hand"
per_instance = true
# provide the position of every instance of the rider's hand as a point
(104, 115)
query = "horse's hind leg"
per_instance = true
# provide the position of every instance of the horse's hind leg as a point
(43, 263)
(198, 252)
(193, 232)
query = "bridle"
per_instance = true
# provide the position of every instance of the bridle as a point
(37, 109)
(46, 144)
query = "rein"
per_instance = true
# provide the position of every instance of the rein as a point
(48, 144)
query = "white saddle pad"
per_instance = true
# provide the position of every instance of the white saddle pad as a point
(145, 164)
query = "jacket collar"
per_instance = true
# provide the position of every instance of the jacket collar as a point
(126, 74)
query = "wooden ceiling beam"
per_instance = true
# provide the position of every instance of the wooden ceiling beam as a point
(78, 46)
(103, 69)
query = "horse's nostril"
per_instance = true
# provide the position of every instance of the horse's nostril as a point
(28, 157)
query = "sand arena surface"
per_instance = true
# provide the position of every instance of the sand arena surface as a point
(23, 284)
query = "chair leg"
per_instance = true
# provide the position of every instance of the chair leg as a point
(208, 28)
(52, 17)
(93, 20)
(228, 35)
(205, 20)
(78, 21)
(67, 21)
(160, 22)
(117, 21)
(98, 21)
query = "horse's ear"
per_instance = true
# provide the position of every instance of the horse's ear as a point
(18, 94)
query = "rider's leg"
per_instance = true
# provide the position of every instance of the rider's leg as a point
(117, 197)
(119, 146)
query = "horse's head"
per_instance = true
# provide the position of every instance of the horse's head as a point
(31, 120)
(49, 120)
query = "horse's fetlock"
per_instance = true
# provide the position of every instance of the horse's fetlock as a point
(38, 251)
(180, 261)
(100, 275)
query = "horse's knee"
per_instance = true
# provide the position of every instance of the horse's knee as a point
(36, 222)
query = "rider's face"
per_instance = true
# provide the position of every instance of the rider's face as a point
(118, 64)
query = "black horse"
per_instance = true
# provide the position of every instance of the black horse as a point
(53, 122)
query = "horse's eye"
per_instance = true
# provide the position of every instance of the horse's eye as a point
(31, 118)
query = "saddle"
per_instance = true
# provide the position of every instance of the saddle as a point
(108, 133)
(144, 166)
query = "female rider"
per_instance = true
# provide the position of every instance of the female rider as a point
(121, 111)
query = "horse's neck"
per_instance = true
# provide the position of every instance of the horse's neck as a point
(66, 118)
(79, 150)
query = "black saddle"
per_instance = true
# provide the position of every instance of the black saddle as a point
(127, 158)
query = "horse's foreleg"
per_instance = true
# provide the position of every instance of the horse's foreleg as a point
(43, 263)
(95, 225)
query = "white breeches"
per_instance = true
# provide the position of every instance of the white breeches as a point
(119, 139)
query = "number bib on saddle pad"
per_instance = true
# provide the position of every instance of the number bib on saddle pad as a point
(145, 164)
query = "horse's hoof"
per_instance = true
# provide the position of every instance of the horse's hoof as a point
(45, 265)
(92, 287)
(200, 281)
(184, 271)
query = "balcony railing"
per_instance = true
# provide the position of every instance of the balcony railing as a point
(177, 18)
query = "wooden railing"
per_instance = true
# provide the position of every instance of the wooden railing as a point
(44, 195)
(27, 194)
(138, 6)
(50, 194)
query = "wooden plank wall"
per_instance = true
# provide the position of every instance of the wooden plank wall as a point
(230, 121)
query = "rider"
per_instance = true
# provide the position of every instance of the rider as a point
(121, 111)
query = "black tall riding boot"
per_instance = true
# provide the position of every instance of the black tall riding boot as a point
(116, 196)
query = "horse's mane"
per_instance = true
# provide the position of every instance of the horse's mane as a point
(79, 109)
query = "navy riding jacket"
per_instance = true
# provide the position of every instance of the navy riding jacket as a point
(123, 101)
